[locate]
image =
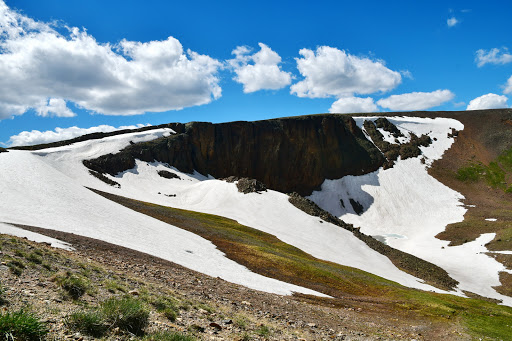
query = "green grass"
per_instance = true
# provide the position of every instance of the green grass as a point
(497, 174)
(471, 173)
(114, 286)
(21, 325)
(87, 322)
(75, 285)
(263, 331)
(167, 306)
(127, 313)
(35, 258)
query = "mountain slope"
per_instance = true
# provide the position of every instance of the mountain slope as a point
(371, 172)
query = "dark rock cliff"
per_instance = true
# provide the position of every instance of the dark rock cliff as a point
(289, 154)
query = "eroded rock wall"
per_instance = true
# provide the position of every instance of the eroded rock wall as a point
(289, 155)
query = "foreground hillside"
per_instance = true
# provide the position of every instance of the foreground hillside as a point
(46, 283)
(394, 204)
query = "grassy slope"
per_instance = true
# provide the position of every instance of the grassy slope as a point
(265, 254)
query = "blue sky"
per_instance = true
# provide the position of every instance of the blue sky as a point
(71, 67)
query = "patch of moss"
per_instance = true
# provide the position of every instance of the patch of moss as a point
(495, 173)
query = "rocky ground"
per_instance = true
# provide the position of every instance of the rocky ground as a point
(208, 308)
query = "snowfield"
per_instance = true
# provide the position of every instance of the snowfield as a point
(269, 211)
(407, 208)
(35, 193)
(404, 206)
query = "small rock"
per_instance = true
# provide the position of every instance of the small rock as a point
(311, 325)
(246, 303)
(215, 325)
(133, 292)
(227, 321)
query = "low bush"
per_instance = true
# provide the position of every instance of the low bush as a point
(21, 325)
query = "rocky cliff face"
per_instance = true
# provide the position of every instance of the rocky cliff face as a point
(288, 154)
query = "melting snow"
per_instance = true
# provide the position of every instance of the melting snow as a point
(403, 206)
(491, 219)
(33, 192)
(35, 237)
(406, 201)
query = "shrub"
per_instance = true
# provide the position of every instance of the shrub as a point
(23, 326)
(127, 313)
(88, 322)
(168, 336)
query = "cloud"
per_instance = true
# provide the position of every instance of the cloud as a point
(508, 86)
(493, 56)
(331, 72)
(416, 100)
(353, 105)
(263, 73)
(452, 22)
(489, 101)
(40, 65)
(54, 107)
(26, 138)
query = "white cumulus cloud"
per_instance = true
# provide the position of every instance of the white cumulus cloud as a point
(27, 138)
(331, 72)
(489, 101)
(259, 71)
(452, 22)
(416, 100)
(353, 105)
(42, 69)
(493, 56)
(54, 107)
(508, 86)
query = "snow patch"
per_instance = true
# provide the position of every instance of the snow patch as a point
(42, 191)
(406, 201)
(491, 219)
(35, 237)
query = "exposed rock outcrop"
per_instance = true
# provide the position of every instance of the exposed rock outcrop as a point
(393, 150)
(168, 175)
(288, 154)
(246, 186)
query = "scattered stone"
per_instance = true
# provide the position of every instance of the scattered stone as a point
(134, 292)
(246, 186)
